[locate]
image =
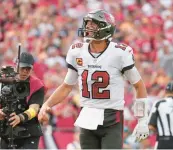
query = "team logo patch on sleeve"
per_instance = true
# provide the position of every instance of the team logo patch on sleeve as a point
(79, 61)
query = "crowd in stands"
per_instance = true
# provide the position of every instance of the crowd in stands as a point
(47, 28)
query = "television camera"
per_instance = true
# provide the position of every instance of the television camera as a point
(12, 90)
(10, 85)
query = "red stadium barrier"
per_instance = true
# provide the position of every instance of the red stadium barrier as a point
(41, 144)
(63, 138)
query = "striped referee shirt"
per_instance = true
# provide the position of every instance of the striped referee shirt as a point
(161, 116)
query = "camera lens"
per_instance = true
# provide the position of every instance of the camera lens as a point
(21, 89)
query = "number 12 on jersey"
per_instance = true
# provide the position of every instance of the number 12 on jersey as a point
(101, 81)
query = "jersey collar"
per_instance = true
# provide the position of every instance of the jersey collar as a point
(89, 50)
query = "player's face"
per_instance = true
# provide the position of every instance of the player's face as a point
(91, 26)
(24, 72)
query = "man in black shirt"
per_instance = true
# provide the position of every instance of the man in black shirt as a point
(161, 120)
(26, 127)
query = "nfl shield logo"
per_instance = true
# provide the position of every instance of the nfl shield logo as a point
(79, 61)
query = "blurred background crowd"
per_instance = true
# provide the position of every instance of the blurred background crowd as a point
(47, 28)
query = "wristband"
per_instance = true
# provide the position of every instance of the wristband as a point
(31, 112)
(22, 118)
(140, 108)
(25, 116)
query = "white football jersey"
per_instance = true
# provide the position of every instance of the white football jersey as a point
(101, 80)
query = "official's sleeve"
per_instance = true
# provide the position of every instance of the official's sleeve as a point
(127, 61)
(37, 97)
(153, 116)
(70, 59)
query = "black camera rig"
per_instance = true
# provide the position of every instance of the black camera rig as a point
(11, 91)
(11, 86)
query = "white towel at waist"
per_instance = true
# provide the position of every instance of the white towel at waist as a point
(90, 118)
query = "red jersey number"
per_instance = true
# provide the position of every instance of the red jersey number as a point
(121, 46)
(101, 81)
(77, 45)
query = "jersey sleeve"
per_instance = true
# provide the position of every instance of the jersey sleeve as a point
(132, 75)
(127, 60)
(71, 60)
(71, 77)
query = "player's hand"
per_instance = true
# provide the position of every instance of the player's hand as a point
(43, 115)
(2, 115)
(14, 119)
(141, 130)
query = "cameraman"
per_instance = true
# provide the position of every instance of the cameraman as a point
(24, 120)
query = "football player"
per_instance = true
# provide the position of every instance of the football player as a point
(100, 67)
